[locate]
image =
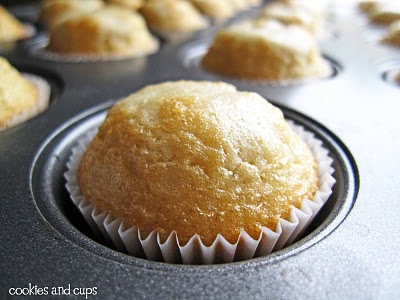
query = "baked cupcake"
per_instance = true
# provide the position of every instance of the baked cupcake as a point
(292, 15)
(107, 32)
(52, 11)
(397, 79)
(216, 10)
(130, 4)
(367, 6)
(10, 28)
(20, 99)
(172, 16)
(392, 36)
(267, 50)
(185, 164)
(385, 13)
(244, 4)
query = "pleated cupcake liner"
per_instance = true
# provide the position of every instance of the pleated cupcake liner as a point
(44, 92)
(129, 239)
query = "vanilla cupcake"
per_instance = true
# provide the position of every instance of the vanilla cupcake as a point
(243, 4)
(392, 36)
(20, 99)
(216, 10)
(267, 50)
(384, 13)
(54, 11)
(397, 79)
(367, 6)
(195, 164)
(316, 7)
(130, 4)
(111, 31)
(10, 28)
(172, 16)
(292, 15)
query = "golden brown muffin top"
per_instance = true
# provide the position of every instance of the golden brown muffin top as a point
(53, 11)
(111, 30)
(291, 15)
(131, 4)
(16, 94)
(397, 79)
(176, 15)
(392, 36)
(369, 5)
(385, 12)
(218, 10)
(197, 157)
(11, 29)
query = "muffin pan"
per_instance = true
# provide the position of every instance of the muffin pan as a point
(45, 242)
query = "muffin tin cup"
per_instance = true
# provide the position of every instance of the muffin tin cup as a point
(44, 90)
(124, 239)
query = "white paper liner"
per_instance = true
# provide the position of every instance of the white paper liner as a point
(41, 51)
(44, 90)
(113, 230)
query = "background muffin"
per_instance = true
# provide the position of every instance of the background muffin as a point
(385, 13)
(197, 158)
(265, 49)
(392, 36)
(292, 15)
(217, 10)
(172, 16)
(108, 31)
(10, 28)
(20, 99)
(52, 11)
(131, 4)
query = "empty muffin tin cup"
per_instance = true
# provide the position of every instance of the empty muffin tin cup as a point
(130, 240)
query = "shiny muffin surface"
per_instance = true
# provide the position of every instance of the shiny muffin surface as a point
(197, 158)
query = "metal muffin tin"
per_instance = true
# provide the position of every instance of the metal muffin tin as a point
(351, 249)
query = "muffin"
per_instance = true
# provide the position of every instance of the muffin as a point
(369, 5)
(165, 16)
(131, 4)
(20, 99)
(244, 4)
(52, 11)
(385, 13)
(292, 15)
(197, 158)
(392, 36)
(397, 79)
(10, 28)
(217, 10)
(265, 49)
(110, 31)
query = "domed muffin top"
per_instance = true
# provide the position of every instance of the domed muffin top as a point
(197, 157)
